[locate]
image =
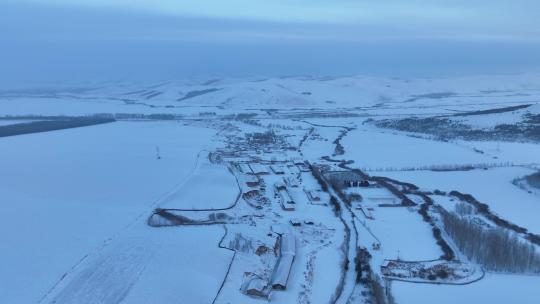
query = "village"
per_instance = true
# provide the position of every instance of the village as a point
(281, 206)
(296, 208)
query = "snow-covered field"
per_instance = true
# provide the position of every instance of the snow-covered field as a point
(149, 265)
(384, 150)
(403, 234)
(494, 288)
(81, 224)
(66, 192)
(493, 187)
(193, 193)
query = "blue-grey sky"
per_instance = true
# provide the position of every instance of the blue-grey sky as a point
(46, 39)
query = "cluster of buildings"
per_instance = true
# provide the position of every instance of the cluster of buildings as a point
(286, 248)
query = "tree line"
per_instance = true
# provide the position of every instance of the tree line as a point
(495, 248)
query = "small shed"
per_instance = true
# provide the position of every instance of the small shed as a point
(287, 203)
(298, 161)
(304, 168)
(258, 169)
(255, 286)
(279, 186)
(244, 168)
(295, 222)
(277, 169)
(291, 181)
(252, 181)
(313, 195)
(293, 169)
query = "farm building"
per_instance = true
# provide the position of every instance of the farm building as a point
(254, 198)
(298, 161)
(304, 168)
(258, 169)
(280, 186)
(294, 169)
(353, 183)
(282, 270)
(287, 203)
(277, 169)
(295, 222)
(252, 181)
(386, 266)
(382, 200)
(345, 177)
(292, 181)
(244, 168)
(255, 286)
(313, 195)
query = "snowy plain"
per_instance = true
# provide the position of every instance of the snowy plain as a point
(78, 200)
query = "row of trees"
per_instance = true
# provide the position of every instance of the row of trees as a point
(50, 125)
(495, 248)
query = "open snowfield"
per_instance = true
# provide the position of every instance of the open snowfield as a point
(149, 265)
(68, 191)
(194, 194)
(375, 149)
(494, 288)
(402, 233)
(512, 152)
(81, 225)
(493, 187)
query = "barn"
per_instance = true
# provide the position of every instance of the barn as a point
(287, 203)
(258, 169)
(282, 270)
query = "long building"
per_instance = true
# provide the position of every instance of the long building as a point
(287, 252)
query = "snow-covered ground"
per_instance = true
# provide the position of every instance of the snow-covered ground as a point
(493, 187)
(374, 149)
(193, 193)
(494, 288)
(403, 234)
(67, 192)
(149, 265)
(78, 202)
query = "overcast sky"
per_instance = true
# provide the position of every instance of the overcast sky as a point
(175, 38)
